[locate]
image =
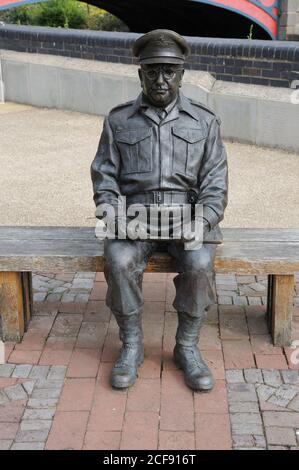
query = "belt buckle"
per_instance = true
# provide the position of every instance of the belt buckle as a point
(192, 196)
(158, 197)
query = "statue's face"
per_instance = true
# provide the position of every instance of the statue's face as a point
(161, 82)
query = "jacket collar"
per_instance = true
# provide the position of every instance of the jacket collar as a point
(182, 104)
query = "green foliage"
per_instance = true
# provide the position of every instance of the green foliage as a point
(63, 14)
(250, 35)
(106, 22)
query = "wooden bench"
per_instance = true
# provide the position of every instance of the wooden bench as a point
(23, 250)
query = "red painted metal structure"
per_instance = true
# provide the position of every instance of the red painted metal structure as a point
(262, 12)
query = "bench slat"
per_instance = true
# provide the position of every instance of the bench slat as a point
(70, 233)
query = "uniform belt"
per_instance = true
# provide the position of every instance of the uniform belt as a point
(158, 197)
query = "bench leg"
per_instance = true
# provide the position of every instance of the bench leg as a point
(280, 308)
(15, 304)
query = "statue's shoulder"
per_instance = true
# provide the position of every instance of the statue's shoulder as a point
(121, 106)
(203, 108)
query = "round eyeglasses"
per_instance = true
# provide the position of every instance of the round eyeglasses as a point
(167, 72)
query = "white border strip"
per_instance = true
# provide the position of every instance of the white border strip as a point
(1, 84)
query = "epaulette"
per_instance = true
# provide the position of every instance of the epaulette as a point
(121, 105)
(206, 108)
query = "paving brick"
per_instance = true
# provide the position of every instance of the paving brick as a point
(253, 376)
(31, 342)
(5, 444)
(272, 378)
(244, 407)
(35, 425)
(67, 324)
(248, 440)
(213, 402)
(46, 394)
(102, 440)
(16, 392)
(246, 423)
(209, 338)
(177, 414)
(290, 376)
(280, 436)
(294, 404)
(234, 376)
(153, 312)
(73, 308)
(267, 406)
(232, 323)
(97, 311)
(38, 414)
(92, 335)
(238, 354)
(224, 300)
(99, 291)
(171, 440)
(214, 360)
(241, 393)
(32, 436)
(107, 413)
(39, 372)
(3, 398)
(77, 395)
(281, 419)
(262, 344)
(265, 392)
(8, 431)
(6, 370)
(151, 367)
(22, 371)
(278, 448)
(57, 373)
(49, 384)
(271, 361)
(212, 431)
(12, 412)
(25, 357)
(240, 301)
(57, 357)
(111, 346)
(256, 320)
(283, 395)
(42, 402)
(144, 396)
(28, 446)
(133, 435)
(84, 363)
(28, 386)
(6, 382)
(68, 430)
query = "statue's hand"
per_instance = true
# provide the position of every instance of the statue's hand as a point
(190, 234)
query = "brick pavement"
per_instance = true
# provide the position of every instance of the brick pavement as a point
(55, 392)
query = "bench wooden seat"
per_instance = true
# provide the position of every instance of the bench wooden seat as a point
(23, 250)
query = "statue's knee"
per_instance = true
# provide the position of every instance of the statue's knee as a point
(199, 264)
(119, 258)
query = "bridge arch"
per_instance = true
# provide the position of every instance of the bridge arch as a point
(211, 18)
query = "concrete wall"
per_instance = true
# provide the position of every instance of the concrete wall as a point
(289, 20)
(250, 113)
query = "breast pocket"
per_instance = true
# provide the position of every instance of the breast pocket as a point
(135, 146)
(188, 149)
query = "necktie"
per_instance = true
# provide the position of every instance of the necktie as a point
(162, 114)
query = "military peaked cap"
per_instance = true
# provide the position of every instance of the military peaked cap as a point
(161, 46)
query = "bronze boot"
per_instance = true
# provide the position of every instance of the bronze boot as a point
(124, 371)
(187, 356)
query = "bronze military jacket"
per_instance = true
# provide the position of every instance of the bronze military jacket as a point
(139, 153)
